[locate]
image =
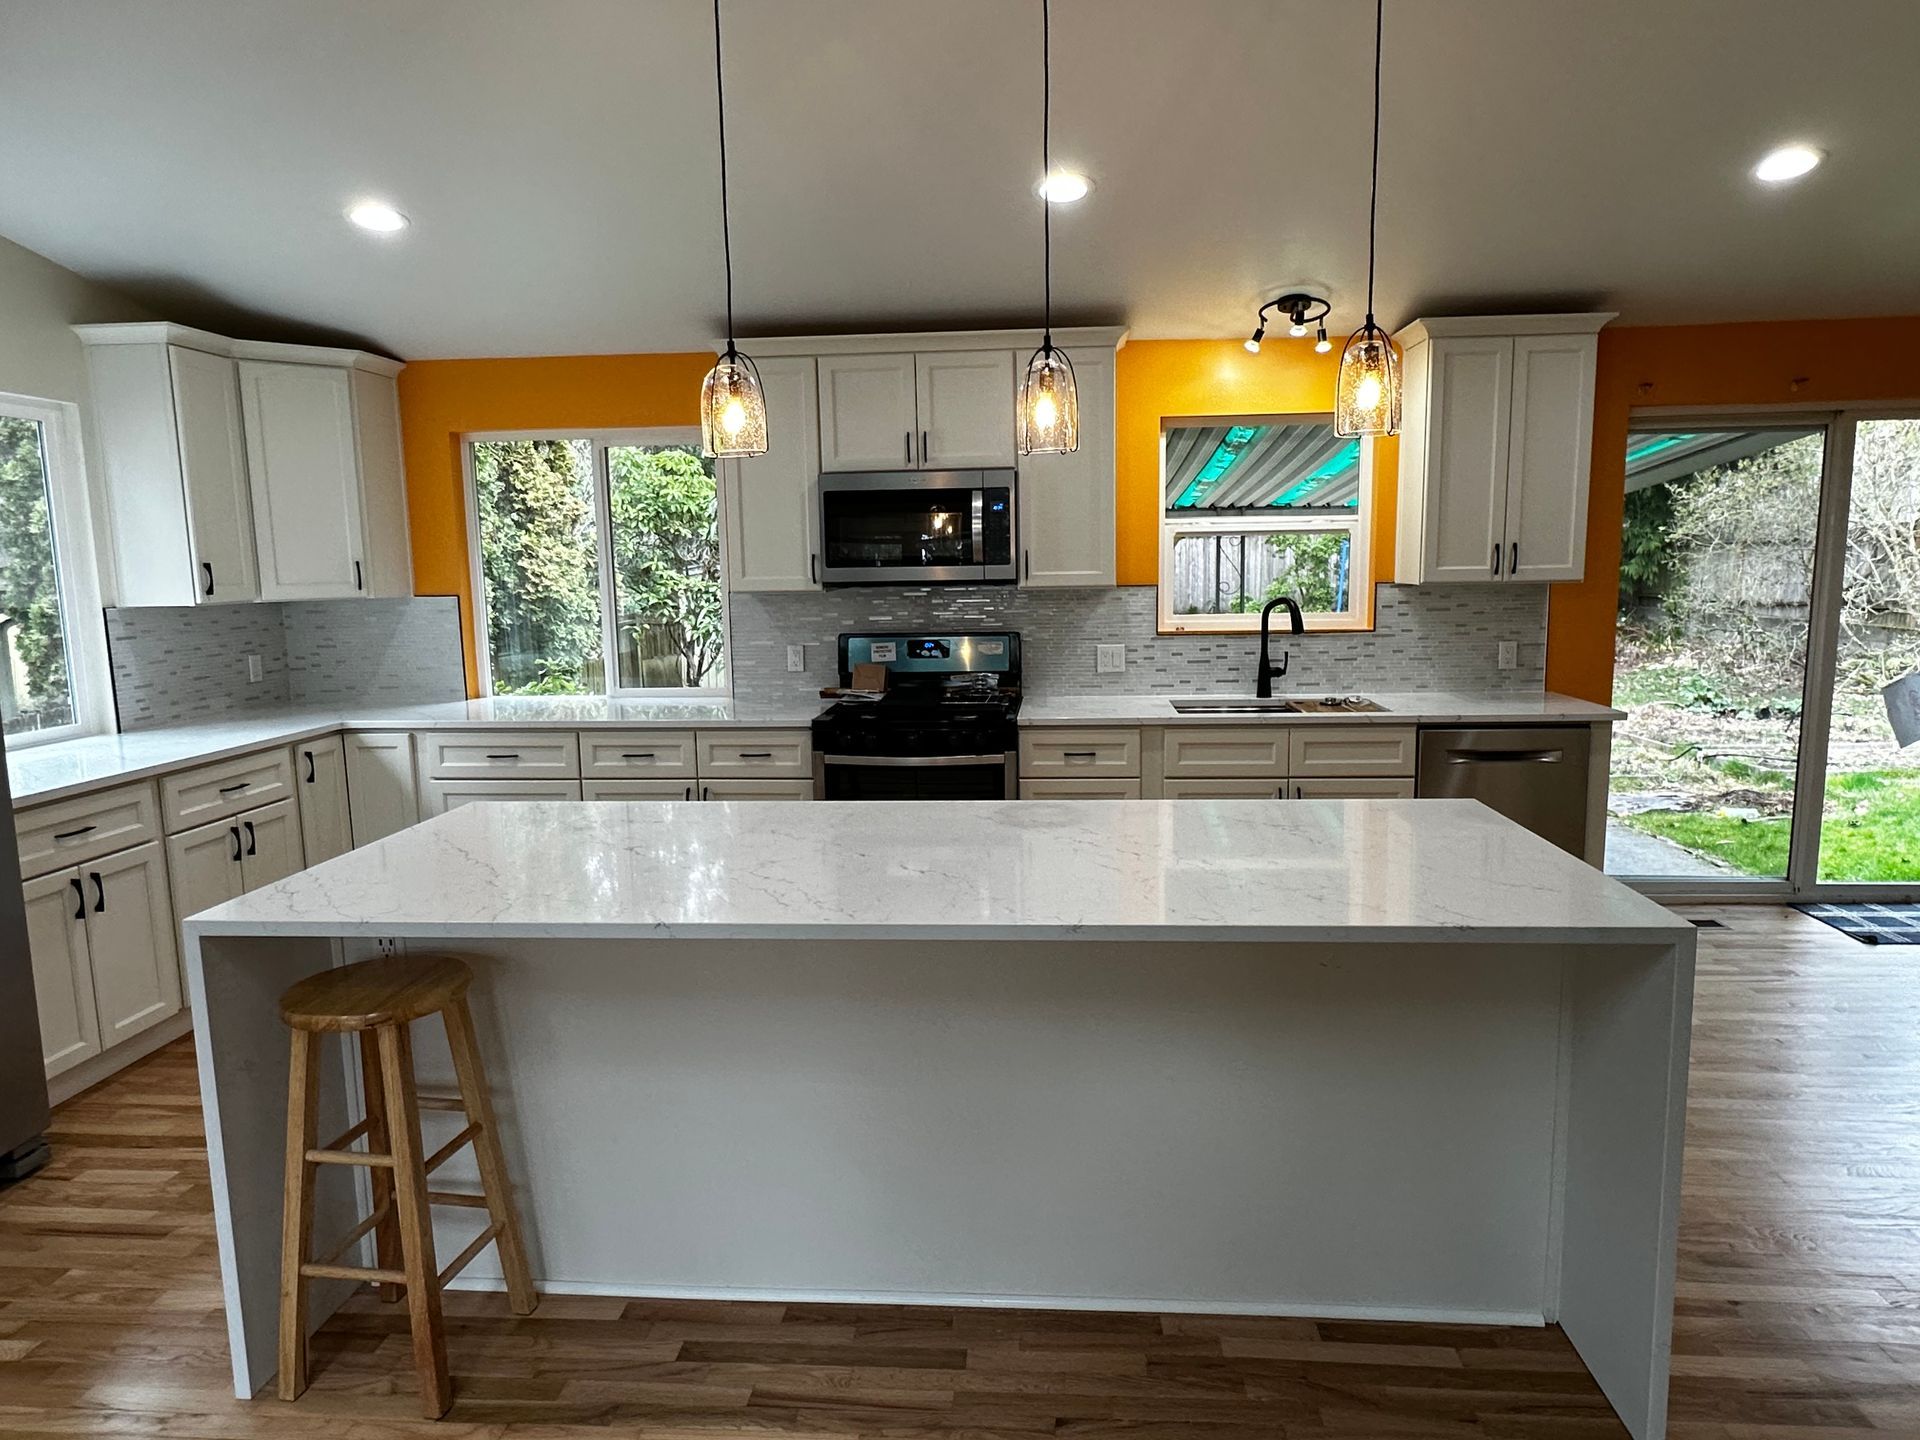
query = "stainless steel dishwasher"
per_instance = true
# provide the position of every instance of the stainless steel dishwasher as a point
(1536, 777)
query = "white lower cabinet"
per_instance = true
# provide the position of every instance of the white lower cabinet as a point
(1080, 789)
(270, 847)
(1353, 788)
(439, 796)
(62, 970)
(320, 777)
(212, 864)
(381, 792)
(769, 789)
(105, 965)
(639, 789)
(1251, 788)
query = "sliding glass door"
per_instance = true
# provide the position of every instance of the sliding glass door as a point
(1769, 592)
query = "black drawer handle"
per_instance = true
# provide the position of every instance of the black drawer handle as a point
(636, 754)
(253, 846)
(309, 755)
(358, 583)
(79, 898)
(230, 789)
(756, 755)
(507, 755)
(76, 834)
(1080, 754)
(706, 792)
(234, 831)
(207, 566)
(99, 892)
(689, 792)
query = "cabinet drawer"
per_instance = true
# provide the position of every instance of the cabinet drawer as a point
(226, 787)
(1354, 789)
(636, 754)
(502, 755)
(1271, 789)
(756, 755)
(639, 789)
(70, 831)
(1337, 751)
(1104, 754)
(1225, 751)
(756, 790)
(439, 796)
(1116, 788)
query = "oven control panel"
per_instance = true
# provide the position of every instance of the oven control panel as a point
(994, 653)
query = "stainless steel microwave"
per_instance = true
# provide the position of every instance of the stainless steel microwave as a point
(917, 527)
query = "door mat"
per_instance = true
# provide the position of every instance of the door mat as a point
(1870, 924)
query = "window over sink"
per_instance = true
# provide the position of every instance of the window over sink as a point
(1255, 507)
(596, 561)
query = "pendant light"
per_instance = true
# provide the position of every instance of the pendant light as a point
(733, 409)
(1049, 400)
(1366, 399)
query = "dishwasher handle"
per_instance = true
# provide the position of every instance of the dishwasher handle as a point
(1505, 757)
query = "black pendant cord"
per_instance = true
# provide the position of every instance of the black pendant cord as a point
(1046, 160)
(726, 223)
(1373, 192)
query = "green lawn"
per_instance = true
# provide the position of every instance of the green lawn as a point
(1871, 830)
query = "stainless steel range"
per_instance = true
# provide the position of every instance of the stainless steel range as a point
(945, 727)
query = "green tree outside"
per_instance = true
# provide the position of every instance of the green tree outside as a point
(666, 564)
(537, 555)
(29, 589)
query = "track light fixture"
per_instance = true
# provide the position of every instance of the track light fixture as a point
(1301, 310)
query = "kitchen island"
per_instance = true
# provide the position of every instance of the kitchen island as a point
(1391, 1059)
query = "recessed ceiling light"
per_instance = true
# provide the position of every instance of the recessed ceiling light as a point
(1063, 187)
(1789, 162)
(378, 216)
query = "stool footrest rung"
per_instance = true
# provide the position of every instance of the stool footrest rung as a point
(349, 1157)
(445, 1152)
(353, 1272)
(379, 1213)
(451, 1103)
(451, 1197)
(465, 1257)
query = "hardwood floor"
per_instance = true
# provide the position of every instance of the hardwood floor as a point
(1798, 1314)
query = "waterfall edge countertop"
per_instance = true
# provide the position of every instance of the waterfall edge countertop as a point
(1313, 870)
(71, 767)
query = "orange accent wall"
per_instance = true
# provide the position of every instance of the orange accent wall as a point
(1156, 379)
(441, 400)
(1835, 363)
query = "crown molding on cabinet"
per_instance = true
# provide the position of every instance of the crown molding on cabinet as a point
(1110, 337)
(1457, 326)
(161, 332)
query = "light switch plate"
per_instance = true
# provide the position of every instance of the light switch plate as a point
(1509, 655)
(796, 658)
(1109, 659)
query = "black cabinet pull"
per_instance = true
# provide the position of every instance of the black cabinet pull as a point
(505, 755)
(309, 755)
(1513, 565)
(1496, 557)
(706, 792)
(76, 834)
(208, 567)
(234, 831)
(230, 789)
(99, 892)
(79, 897)
(253, 845)
(636, 754)
(358, 582)
(689, 792)
(923, 447)
(1079, 754)
(756, 754)
(909, 447)
(1026, 557)
(813, 569)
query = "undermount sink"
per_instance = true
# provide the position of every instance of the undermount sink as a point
(1331, 705)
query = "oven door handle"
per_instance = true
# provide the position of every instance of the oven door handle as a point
(901, 761)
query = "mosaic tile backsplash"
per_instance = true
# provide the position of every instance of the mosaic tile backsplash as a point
(1430, 638)
(179, 665)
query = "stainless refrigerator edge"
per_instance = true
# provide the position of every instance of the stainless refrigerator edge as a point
(23, 1083)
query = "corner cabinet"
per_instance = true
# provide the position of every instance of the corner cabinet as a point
(238, 470)
(1495, 448)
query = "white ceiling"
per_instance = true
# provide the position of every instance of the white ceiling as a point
(557, 158)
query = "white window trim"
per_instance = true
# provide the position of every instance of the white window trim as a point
(76, 565)
(600, 441)
(1360, 562)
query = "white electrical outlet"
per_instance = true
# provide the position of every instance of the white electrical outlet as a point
(255, 672)
(1109, 659)
(1509, 655)
(796, 658)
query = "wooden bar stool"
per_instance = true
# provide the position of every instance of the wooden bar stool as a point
(377, 1000)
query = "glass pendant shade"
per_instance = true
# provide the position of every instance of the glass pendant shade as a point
(1049, 404)
(733, 411)
(1367, 398)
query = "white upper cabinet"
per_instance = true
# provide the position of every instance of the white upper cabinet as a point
(1066, 502)
(305, 479)
(237, 470)
(1496, 448)
(770, 504)
(869, 417)
(965, 403)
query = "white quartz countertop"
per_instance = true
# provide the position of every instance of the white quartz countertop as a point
(71, 767)
(1424, 707)
(1309, 870)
